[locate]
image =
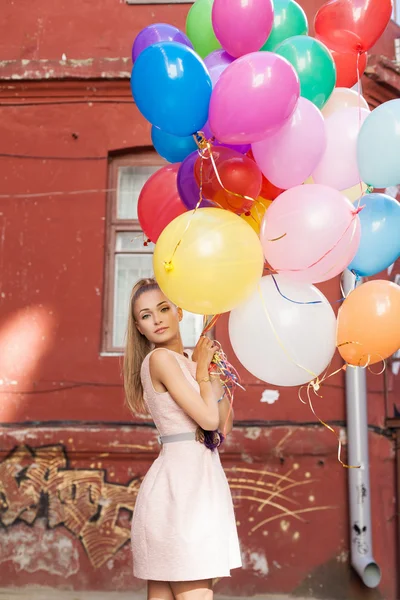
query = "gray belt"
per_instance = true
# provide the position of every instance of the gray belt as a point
(178, 437)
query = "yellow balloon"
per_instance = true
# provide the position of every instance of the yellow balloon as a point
(353, 193)
(216, 266)
(257, 213)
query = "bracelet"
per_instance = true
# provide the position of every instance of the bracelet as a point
(205, 379)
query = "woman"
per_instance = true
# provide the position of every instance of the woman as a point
(183, 529)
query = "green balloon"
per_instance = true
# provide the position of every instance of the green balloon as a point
(199, 28)
(314, 65)
(289, 20)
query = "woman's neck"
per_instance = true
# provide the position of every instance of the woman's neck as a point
(175, 345)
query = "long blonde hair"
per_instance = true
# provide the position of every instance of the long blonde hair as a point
(136, 350)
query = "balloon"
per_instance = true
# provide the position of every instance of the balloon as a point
(338, 166)
(255, 95)
(216, 63)
(256, 213)
(310, 233)
(380, 235)
(242, 27)
(242, 148)
(268, 190)
(238, 174)
(314, 65)
(300, 143)
(368, 323)
(158, 32)
(307, 332)
(352, 25)
(159, 202)
(172, 88)
(354, 193)
(378, 147)
(199, 28)
(343, 98)
(289, 20)
(219, 255)
(188, 187)
(347, 66)
(171, 147)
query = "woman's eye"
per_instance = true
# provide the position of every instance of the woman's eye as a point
(145, 316)
(164, 308)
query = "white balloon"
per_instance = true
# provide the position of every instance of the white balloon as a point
(279, 341)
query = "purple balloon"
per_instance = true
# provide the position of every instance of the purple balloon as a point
(242, 148)
(158, 32)
(216, 63)
(188, 188)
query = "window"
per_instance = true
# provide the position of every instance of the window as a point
(127, 258)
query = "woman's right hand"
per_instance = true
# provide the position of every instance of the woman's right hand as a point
(205, 350)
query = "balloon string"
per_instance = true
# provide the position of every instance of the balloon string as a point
(359, 114)
(296, 301)
(352, 222)
(168, 265)
(206, 152)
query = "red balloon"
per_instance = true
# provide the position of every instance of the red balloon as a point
(268, 190)
(346, 67)
(238, 174)
(159, 201)
(352, 25)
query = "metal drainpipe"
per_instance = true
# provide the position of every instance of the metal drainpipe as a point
(359, 485)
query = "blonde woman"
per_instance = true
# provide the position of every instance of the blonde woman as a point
(183, 529)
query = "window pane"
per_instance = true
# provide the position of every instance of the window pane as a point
(132, 241)
(128, 269)
(130, 182)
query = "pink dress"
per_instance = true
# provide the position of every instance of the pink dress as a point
(183, 526)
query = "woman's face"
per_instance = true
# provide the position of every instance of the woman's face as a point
(156, 317)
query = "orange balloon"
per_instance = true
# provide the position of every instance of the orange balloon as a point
(256, 214)
(369, 323)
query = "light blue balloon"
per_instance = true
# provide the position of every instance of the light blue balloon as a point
(172, 88)
(378, 146)
(380, 235)
(171, 147)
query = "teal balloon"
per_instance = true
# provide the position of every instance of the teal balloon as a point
(378, 146)
(172, 88)
(314, 65)
(171, 147)
(289, 20)
(380, 235)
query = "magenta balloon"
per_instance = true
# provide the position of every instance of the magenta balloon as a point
(188, 188)
(254, 96)
(310, 233)
(216, 63)
(289, 156)
(338, 166)
(242, 27)
(158, 32)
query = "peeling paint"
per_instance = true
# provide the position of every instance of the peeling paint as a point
(39, 549)
(252, 433)
(269, 396)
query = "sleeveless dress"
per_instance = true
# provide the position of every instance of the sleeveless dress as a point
(183, 526)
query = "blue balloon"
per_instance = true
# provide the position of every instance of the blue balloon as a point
(172, 88)
(380, 235)
(378, 146)
(171, 147)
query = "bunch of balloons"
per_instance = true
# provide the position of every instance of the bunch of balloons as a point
(273, 158)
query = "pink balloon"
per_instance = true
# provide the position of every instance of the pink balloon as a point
(289, 156)
(338, 166)
(310, 233)
(254, 96)
(242, 27)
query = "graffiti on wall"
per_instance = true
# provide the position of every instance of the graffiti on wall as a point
(38, 482)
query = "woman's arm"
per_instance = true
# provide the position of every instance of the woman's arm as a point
(201, 407)
(224, 406)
